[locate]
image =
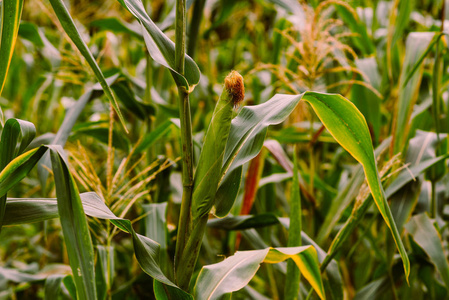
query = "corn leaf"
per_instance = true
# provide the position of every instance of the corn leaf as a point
(161, 48)
(18, 168)
(416, 45)
(69, 26)
(16, 136)
(74, 227)
(294, 234)
(342, 119)
(52, 288)
(235, 272)
(28, 210)
(349, 128)
(11, 12)
(427, 237)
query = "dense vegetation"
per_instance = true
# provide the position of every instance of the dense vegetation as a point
(193, 149)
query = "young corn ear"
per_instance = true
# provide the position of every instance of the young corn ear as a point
(207, 175)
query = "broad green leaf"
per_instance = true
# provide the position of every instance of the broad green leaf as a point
(11, 12)
(423, 231)
(235, 272)
(349, 128)
(69, 26)
(341, 118)
(161, 48)
(74, 227)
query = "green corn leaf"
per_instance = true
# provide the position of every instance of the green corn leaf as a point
(70, 286)
(161, 48)
(52, 288)
(74, 227)
(16, 136)
(150, 138)
(11, 12)
(416, 45)
(28, 210)
(18, 168)
(235, 272)
(349, 128)
(146, 250)
(342, 119)
(73, 33)
(423, 231)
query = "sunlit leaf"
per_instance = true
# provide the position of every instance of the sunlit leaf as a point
(235, 272)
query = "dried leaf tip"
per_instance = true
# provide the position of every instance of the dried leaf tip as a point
(234, 86)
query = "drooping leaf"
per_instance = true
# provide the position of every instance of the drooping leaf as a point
(11, 12)
(235, 272)
(349, 128)
(27, 210)
(161, 48)
(69, 26)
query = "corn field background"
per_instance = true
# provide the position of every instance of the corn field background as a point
(224, 149)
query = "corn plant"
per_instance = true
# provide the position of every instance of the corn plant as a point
(182, 180)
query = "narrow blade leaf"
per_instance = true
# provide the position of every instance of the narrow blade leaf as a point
(9, 27)
(74, 227)
(73, 33)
